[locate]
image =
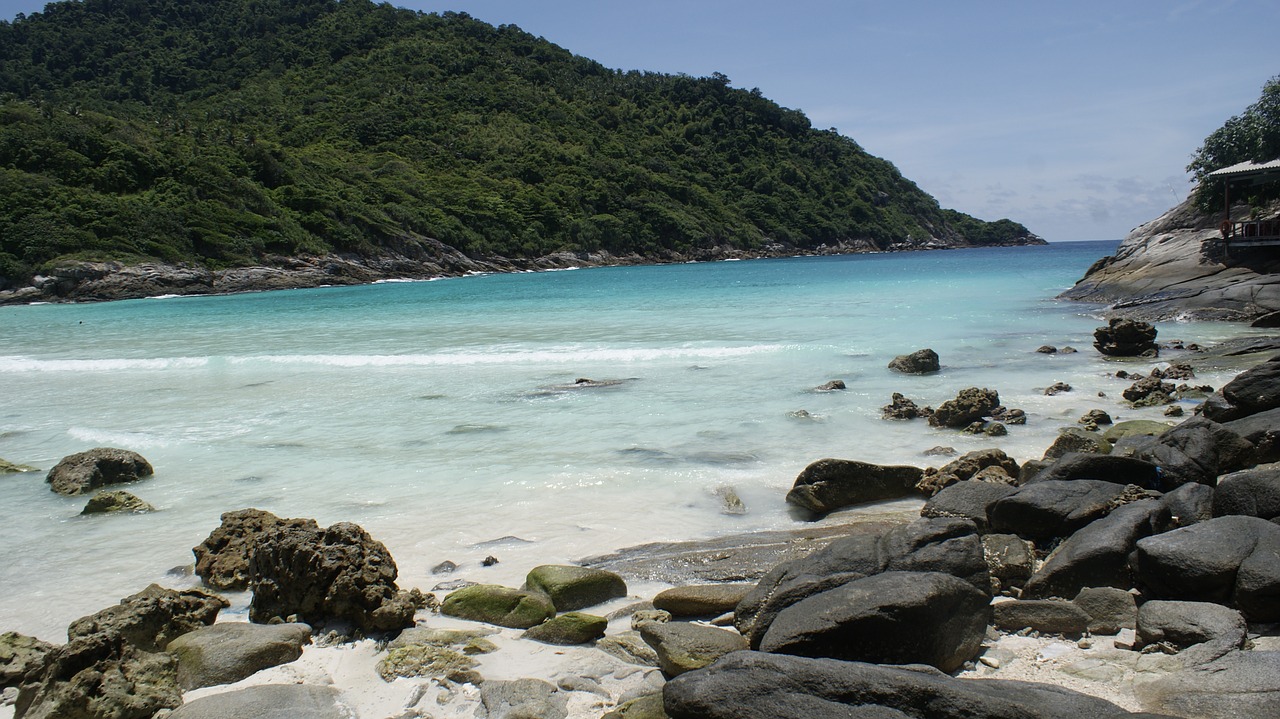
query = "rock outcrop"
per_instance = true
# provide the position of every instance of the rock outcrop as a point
(84, 472)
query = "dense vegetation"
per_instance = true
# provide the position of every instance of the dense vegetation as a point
(1253, 135)
(230, 131)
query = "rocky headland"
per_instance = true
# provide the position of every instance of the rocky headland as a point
(1177, 267)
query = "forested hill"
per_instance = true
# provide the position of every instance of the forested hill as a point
(239, 132)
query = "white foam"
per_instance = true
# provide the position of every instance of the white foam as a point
(550, 356)
(30, 364)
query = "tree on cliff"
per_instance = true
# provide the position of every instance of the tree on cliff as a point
(1253, 135)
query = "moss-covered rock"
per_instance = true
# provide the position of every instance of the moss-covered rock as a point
(568, 629)
(1075, 439)
(115, 501)
(7, 467)
(646, 707)
(572, 588)
(428, 660)
(503, 606)
(20, 654)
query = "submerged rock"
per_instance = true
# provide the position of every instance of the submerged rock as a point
(7, 467)
(922, 361)
(117, 501)
(86, 471)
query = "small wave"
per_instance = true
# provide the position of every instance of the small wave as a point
(115, 438)
(28, 364)
(565, 355)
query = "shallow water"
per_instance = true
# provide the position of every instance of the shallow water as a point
(444, 415)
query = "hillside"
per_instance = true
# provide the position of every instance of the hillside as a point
(231, 133)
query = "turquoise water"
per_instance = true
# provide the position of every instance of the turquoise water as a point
(443, 415)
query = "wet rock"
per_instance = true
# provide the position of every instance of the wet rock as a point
(902, 408)
(229, 652)
(1074, 439)
(1042, 615)
(503, 606)
(1175, 371)
(887, 618)
(1251, 492)
(701, 600)
(20, 655)
(1123, 337)
(966, 467)
(1174, 411)
(1183, 624)
(320, 575)
(1149, 392)
(833, 385)
(1096, 555)
(84, 472)
(1057, 388)
(829, 484)
(304, 701)
(1109, 609)
(1068, 350)
(7, 467)
(571, 587)
(922, 361)
(967, 500)
(445, 567)
(683, 647)
(969, 406)
(222, 559)
(1053, 508)
(568, 629)
(1009, 416)
(1047, 350)
(940, 451)
(1095, 416)
(730, 502)
(116, 501)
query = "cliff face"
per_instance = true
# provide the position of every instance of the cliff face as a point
(1175, 267)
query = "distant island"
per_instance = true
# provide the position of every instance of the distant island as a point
(150, 147)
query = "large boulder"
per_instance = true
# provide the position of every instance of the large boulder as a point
(701, 600)
(1262, 430)
(571, 587)
(1237, 685)
(113, 665)
(951, 546)
(228, 652)
(829, 484)
(1231, 559)
(1183, 624)
(1055, 508)
(1075, 439)
(919, 362)
(1105, 467)
(969, 406)
(268, 701)
(84, 472)
(222, 559)
(323, 575)
(1255, 390)
(19, 656)
(1109, 609)
(503, 606)
(1041, 615)
(1123, 337)
(1183, 507)
(682, 647)
(887, 618)
(967, 500)
(1198, 450)
(1251, 492)
(756, 685)
(568, 629)
(1096, 555)
(981, 463)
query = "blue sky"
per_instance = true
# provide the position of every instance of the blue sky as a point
(1076, 119)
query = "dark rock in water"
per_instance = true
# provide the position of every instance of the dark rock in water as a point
(445, 567)
(568, 629)
(1251, 492)
(1183, 507)
(1257, 389)
(571, 587)
(833, 385)
(1110, 609)
(1041, 615)
(1263, 430)
(1239, 684)
(1009, 416)
(1226, 559)
(116, 501)
(1095, 556)
(1105, 467)
(303, 701)
(1198, 450)
(503, 606)
(86, 471)
(489, 561)
(229, 652)
(1149, 392)
(887, 618)
(1177, 370)
(1074, 439)
(1095, 416)
(701, 600)
(919, 362)
(19, 656)
(1047, 350)
(1185, 623)
(902, 408)
(1069, 350)
(1174, 411)
(7, 467)
(682, 647)
(756, 685)
(1135, 428)
(339, 573)
(940, 451)
(967, 467)
(114, 664)
(1010, 558)
(925, 545)
(222, 559)
(1057, 388)
(1124, 337)
(970, 405)
(829, 484)
(1053, 508)
(967, 500)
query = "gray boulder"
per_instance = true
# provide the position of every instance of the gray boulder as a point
(1239, 684)
(1135, 428)
(645, 707)
(1251, 492)
(523, 699)
(1255, 390)
(1041, 615)
(967, 500)
(268, 701)
(571, 587)
(629, 647)
(1231, 559)
(1183, 624)
(1104, 467)
(1109, 609)
(969, 406)
(1124, 337)
(682, 647)
(887, 618)
(1262, 430)
(1096, 555)
(84, 472)
(1053, 508)
(226, 653)
(755, 685)
(1198, 450)
(503, 606)
(829, 484)
(321, 575)
(222, 559)
(1183, 507)
(701, 600)
(951, 546)
(20, 655)
(922, 361)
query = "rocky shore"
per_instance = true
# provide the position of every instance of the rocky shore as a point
(1132, 569)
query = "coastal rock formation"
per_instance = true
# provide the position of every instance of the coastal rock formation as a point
(1041, 615)
(829, 484)
(222, 559)
(86, 471)
(991, 465)
(116, 501)
(226, 653)
(1174, 267)
(20, 654)
(1250, 492)
(969, 406)
(1124, 337)
(923, 361)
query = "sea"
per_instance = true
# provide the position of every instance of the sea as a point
(450, 420)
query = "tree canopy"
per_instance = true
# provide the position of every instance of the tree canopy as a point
(1253, 135)
(228, 132)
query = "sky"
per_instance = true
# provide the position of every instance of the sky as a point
(1076, 118)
